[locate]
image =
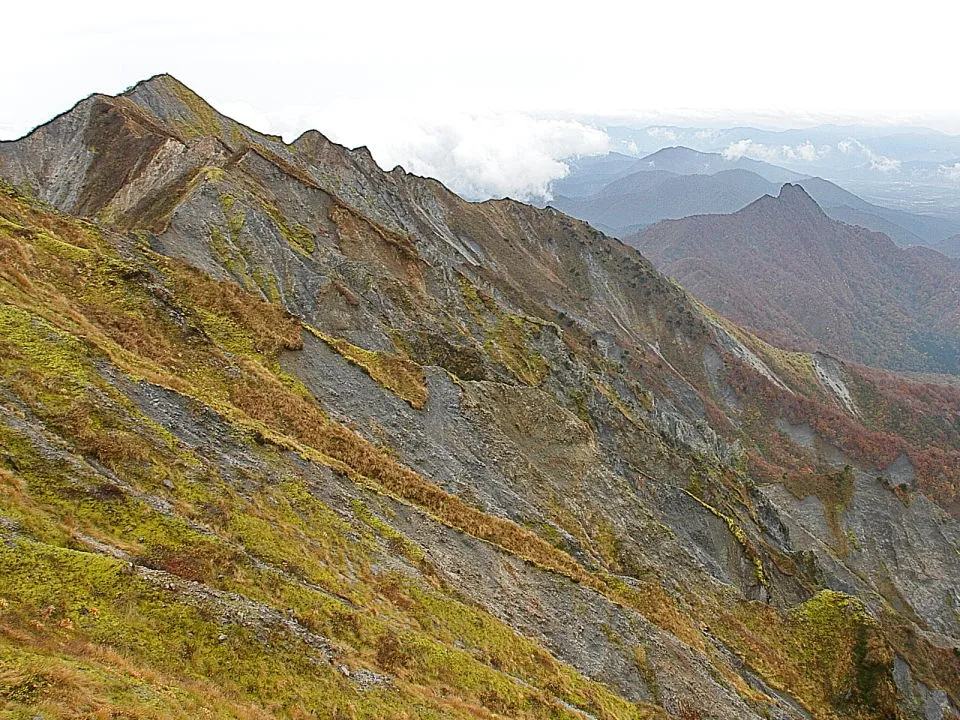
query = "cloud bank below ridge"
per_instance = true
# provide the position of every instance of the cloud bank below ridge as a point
(477, 155)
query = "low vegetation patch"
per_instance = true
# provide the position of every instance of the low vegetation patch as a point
(397, 374)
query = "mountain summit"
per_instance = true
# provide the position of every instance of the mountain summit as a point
(783, 268)
(798, 199)
(284, 436)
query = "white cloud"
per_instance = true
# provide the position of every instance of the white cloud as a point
(663, 133)
(950, 172)
(807, 152)
(478, 156)
(881, 163)
(885, 164)
(497, 155)
(803, 153)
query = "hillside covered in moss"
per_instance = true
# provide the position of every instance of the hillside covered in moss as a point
(286, 436)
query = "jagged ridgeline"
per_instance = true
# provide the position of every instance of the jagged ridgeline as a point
(283, 435)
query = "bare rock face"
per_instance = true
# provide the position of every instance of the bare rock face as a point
(408, 455)
(54, 158)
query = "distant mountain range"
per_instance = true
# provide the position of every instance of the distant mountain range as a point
(949, 247)
(684, 161)
(907, 168)
(782, 267)
(620, 195)
(588, 175)
(906, 144)
(646, 197)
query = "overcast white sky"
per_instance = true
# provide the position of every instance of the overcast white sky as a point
(494, 86)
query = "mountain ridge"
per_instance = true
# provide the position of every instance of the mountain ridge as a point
(292, 435)
(600, 201)
(802, 268)
(684, 161)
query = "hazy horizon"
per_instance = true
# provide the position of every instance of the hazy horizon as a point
(492, 100)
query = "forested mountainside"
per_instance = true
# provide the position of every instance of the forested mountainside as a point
(283, 435)
(783, 268)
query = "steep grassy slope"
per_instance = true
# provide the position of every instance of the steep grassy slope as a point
(120, 532)
(287, 436)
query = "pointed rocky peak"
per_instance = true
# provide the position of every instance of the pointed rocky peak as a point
(155, 84)
(182, 110)
(792, 204)
(796, 198)
(311, 140)
(318, 151)
(111, 156)
(79, 160)
(363, 152)
(161, 82)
